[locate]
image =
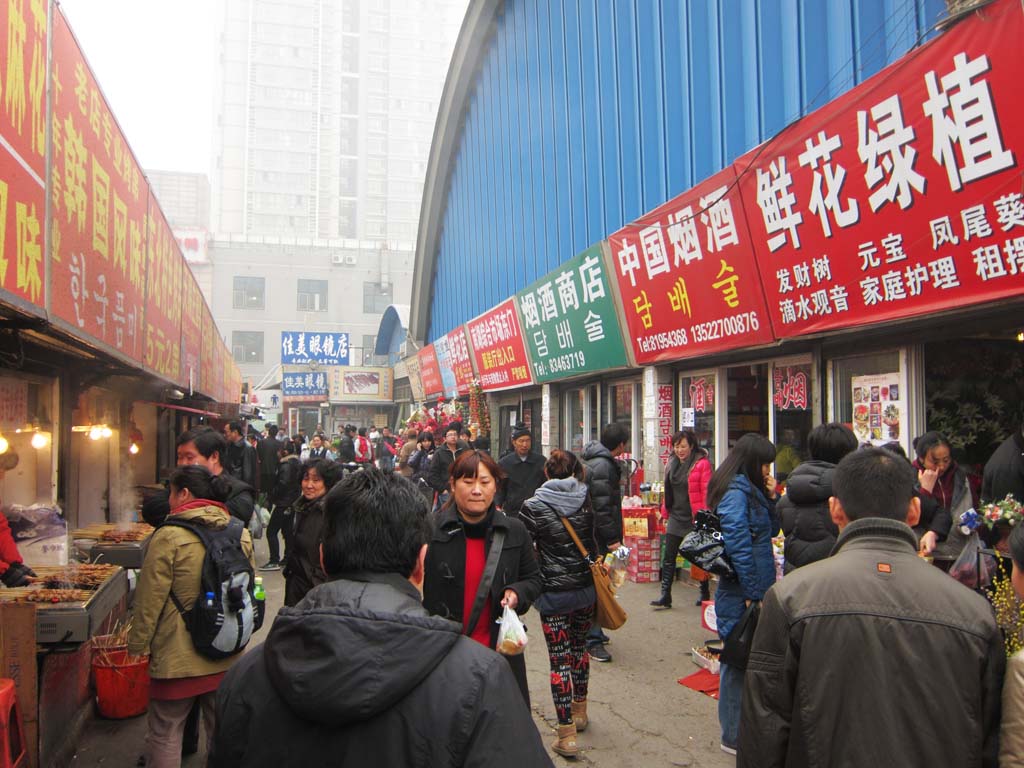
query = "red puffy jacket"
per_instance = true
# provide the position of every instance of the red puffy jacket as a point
(699, 477)
(8, 549)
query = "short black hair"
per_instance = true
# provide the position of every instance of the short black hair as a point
(272, 430)
(830, 442)
(375, 521)
(614, 435)
(329, 471)
(927, 441)
(200, 482)
(236, 426)
(207, 441)
(874, 482)
(362, 431)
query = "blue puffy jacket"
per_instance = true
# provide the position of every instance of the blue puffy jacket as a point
(748, 524)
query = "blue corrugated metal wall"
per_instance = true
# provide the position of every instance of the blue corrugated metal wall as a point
(588, 113)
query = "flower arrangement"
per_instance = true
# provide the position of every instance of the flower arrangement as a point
(1009, 511)
(434, 418)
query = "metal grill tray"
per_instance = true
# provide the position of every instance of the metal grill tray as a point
(76, 622)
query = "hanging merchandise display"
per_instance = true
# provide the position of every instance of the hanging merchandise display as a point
(479, 412)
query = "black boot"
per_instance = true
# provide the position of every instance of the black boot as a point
(668, 575)
(705, 591)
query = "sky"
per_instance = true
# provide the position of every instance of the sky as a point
(154, 61)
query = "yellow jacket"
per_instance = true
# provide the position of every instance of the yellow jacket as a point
(1011, 730)
(174, 561)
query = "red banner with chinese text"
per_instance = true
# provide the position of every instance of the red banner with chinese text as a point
(99, 203)
(459, 359)
(191, 330)
(23, 151)
(499, 350)
(903, 196)
(164, 281)
(206, 362)
(688, 278)
(430, 372)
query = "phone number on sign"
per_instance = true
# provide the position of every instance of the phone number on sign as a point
(725, 326)
(567, 362)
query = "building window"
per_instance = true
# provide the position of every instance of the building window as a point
(247, 346)
(376, 298)
(248, 292)
(369, 342)
(312, 295)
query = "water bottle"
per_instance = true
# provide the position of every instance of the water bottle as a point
(209, 599)
(258, 592)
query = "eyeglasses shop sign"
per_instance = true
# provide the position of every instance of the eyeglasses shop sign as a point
(569, 320)
(298, 347)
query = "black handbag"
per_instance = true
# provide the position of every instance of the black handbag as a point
(704, 546)
(736, 649)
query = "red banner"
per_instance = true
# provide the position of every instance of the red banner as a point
(206, 361)
(458, 358)
(191, 330)
(99, 201)
(22, 151)
(903, 196)
(430, 372)
(164, 267)
(687, 276)
(498, 348)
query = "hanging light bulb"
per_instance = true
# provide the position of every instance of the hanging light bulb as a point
(106, 431)
(133, 449)
(4, 445)
(95, 433)
(40, 440)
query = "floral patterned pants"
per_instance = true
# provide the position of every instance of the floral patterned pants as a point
(566, 636)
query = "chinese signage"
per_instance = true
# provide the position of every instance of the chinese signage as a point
(355, 384)
(444, 367)
(459, 361)
(13, 403)
(191, 331)
(687, 276)
(498, 348)
(791, 386)
(430, 373)
(304, 383)
(99, 200)
(22, 150)
(903, 196)
(666, 420)
(569, 320)
(164, 285)
(412, 367)
(877, 408)
(298, 347)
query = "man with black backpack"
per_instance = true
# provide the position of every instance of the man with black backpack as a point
(206, 447)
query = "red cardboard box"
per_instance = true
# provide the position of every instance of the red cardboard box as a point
(640, 522)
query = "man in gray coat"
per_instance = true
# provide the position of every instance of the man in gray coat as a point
(851, 651)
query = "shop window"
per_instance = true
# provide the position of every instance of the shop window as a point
(697, 396)
(620, 409)
(247, 346)
(312, 295)
(747, 401)
(575, 408)
(869, 397)
(26, 439)
(248, 292)
(791, 401)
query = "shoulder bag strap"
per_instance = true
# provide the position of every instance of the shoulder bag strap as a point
(576, 538)
(486, 579)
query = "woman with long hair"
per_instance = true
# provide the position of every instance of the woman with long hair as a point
(686, 486)
(567, 604)
(742, 492)
(302, 569)
(179, 675)
(467, 527)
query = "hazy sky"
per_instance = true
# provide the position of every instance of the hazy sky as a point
(154, 60)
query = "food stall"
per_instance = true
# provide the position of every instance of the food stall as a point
(113, 543)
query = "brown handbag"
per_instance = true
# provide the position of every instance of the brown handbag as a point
(609, 613)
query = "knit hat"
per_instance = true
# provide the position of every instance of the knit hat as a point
(520, 430)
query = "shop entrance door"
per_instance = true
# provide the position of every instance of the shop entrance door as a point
(747, 387)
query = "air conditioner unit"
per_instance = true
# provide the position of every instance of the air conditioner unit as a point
(337, 258)
(351, 259)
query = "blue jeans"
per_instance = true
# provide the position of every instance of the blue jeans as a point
(730, 697)
(596, 636)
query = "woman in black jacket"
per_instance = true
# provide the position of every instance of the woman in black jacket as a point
(302, 569)
(567, 604)
(467, 527)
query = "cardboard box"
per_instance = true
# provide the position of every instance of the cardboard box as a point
(644, 577)
(640, 522)
(18, 662)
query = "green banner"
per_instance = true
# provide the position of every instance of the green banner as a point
(569, 320)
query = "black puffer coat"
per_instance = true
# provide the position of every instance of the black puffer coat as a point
(603, 477)
(302, 569)
(562, 567)
(806, 520)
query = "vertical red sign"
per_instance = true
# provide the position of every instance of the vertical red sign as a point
(191, 330)
(206, 361)
(430, 372)
(498, 348)
(164, 267)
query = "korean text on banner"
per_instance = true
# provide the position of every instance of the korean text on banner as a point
(22, 152)
(569, 320)
(499, 350)
(687, 276)
(460, 361)
(164, 286)
(298, 347)
(903, 196)
(430, 373)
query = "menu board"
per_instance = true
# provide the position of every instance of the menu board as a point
(878, 410)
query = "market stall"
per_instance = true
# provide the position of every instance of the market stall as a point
(113, 543)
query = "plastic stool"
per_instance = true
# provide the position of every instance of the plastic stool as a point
(12, 732)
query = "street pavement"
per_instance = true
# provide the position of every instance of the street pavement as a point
(639, 714)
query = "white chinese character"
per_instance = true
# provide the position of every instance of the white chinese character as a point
(776, 203)
(975, 223)
(820, 300)
(341, 350)
(869, 287)
(327, 348)
(785, 286)
(803, 308)
(1010, 210)
(916, 277)
(564, 332)
(309, 381)
(893, 245)
(839, 296)
(833, 177)
(629, 261)
(802, 274)
(944, 273)
(567, 296)
(320, 381)
(788, 311)
(822, 269)
(315, 349)
(989, 262)
(868, 253)
(300, 346)
(655, 256)
(682, 233)
(888, 163)
(287, 346)
(962, 114)
(540, 340)
(528, 303)
(548, 310)
(594, 326)
(717, 216)
(1014, 250)
(942, 232)
(892, 284)
(590, 277)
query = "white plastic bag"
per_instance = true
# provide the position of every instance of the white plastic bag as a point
(511, 634)
(256, 523)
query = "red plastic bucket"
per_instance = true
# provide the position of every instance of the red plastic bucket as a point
(122, 686)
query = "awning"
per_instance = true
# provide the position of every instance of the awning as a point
(197, 411)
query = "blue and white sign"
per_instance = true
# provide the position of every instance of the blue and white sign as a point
(297, 384)
(298, 347)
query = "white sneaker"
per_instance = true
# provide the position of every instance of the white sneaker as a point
(728, 750)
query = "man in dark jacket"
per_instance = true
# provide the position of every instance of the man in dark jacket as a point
(525, 470)
(604, 476)
(241, 461)
(1004, 471)
(268, 451)
(205, 446)
(347, 446)
(359, 673)
(444, 457)
(286, 490)
(845, 646)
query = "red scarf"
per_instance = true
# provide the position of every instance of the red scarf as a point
(196, 504)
